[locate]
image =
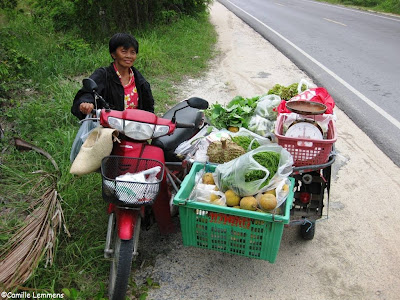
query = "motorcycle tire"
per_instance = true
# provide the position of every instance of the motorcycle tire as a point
(121, 263)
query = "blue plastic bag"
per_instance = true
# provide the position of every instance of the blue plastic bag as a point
(83, 132)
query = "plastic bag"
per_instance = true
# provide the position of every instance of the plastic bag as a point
(281, 193)
(266, 105)
(81, 136)
(201, 153)
(261, 126)
(232, 175)
(253, 136)
(124, 188)
(207, 193)
(189, 147)
(146, 176)
(203, 192)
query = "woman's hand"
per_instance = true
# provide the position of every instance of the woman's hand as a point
(86, 108)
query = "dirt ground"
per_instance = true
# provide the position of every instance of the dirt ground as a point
(355, 253)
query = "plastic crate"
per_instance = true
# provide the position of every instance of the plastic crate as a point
(306, 152)
(227, 229)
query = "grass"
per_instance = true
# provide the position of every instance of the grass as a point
(37, 110)
(388, 6)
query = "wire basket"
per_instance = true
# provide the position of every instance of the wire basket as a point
(127, 192)
(306, 152)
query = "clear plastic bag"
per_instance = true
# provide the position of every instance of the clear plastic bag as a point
(81, 136)
(126, 190)
(207, 193)
(281, 193)
(266, 105)
(261, 125)
(253, 136)
(232, 175)
(189, 147)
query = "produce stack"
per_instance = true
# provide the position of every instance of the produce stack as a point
(251, 170)
(239, 198)
(256, 114)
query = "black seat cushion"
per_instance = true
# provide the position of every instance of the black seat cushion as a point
(186, 115)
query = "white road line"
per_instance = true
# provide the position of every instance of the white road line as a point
(279, 4)
(379, 15)
(334, 75)
(336, 22)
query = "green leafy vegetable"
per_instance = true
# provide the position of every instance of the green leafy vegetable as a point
(286, 92)
(244, 142)
(237, 112)
(270, 161)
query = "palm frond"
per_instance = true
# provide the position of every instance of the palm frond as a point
(36, 239)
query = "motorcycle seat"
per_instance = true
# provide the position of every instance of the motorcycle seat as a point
(186, 115)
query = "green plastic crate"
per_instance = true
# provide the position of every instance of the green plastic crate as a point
(227, 229)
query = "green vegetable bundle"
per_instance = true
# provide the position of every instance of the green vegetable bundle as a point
(247, 174)
(244, 142)
(236, 113)
(286, 92)
(269, 160)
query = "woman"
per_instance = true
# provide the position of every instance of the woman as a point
(120, 84)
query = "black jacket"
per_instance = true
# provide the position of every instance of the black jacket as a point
(111, 89)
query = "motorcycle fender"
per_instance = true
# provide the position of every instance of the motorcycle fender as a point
(126, 220)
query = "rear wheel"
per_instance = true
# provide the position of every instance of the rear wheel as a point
(121, 262)
(307, 230)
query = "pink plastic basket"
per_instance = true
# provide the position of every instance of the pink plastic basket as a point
(306, 152)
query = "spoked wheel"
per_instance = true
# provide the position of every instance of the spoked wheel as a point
(121, 262)
(307, 230)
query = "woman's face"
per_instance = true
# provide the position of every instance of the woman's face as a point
(124, 57)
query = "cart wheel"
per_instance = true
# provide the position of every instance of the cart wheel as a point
(307, 230)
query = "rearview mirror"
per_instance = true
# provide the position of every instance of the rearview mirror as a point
(89, 85)
(198, 103)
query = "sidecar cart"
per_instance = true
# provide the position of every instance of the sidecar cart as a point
(227, 229)
(312, 148)
(312, 187)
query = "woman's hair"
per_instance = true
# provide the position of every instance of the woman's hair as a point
(122, 39)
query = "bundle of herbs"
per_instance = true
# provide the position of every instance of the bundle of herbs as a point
(237, 113)
(245, 141)
(286, 92)
(269, 160)
(247, 174)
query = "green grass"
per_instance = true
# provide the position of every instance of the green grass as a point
(388, 6)
(37, 109)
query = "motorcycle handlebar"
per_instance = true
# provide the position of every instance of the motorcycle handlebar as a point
(185, 125)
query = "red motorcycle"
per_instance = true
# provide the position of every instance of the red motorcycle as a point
(140, 178)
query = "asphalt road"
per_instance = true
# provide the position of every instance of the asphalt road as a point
(354, 54)
(355, 253)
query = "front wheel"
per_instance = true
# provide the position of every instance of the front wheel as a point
(121, 262)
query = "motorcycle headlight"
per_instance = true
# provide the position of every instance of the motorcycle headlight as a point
(160, 130)
(116, 123)
(137, 130)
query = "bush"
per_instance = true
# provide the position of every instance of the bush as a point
(61, 12)
(8, 4)
(13, 63)
(102, 18)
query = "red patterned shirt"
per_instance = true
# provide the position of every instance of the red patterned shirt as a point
(130, 91)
